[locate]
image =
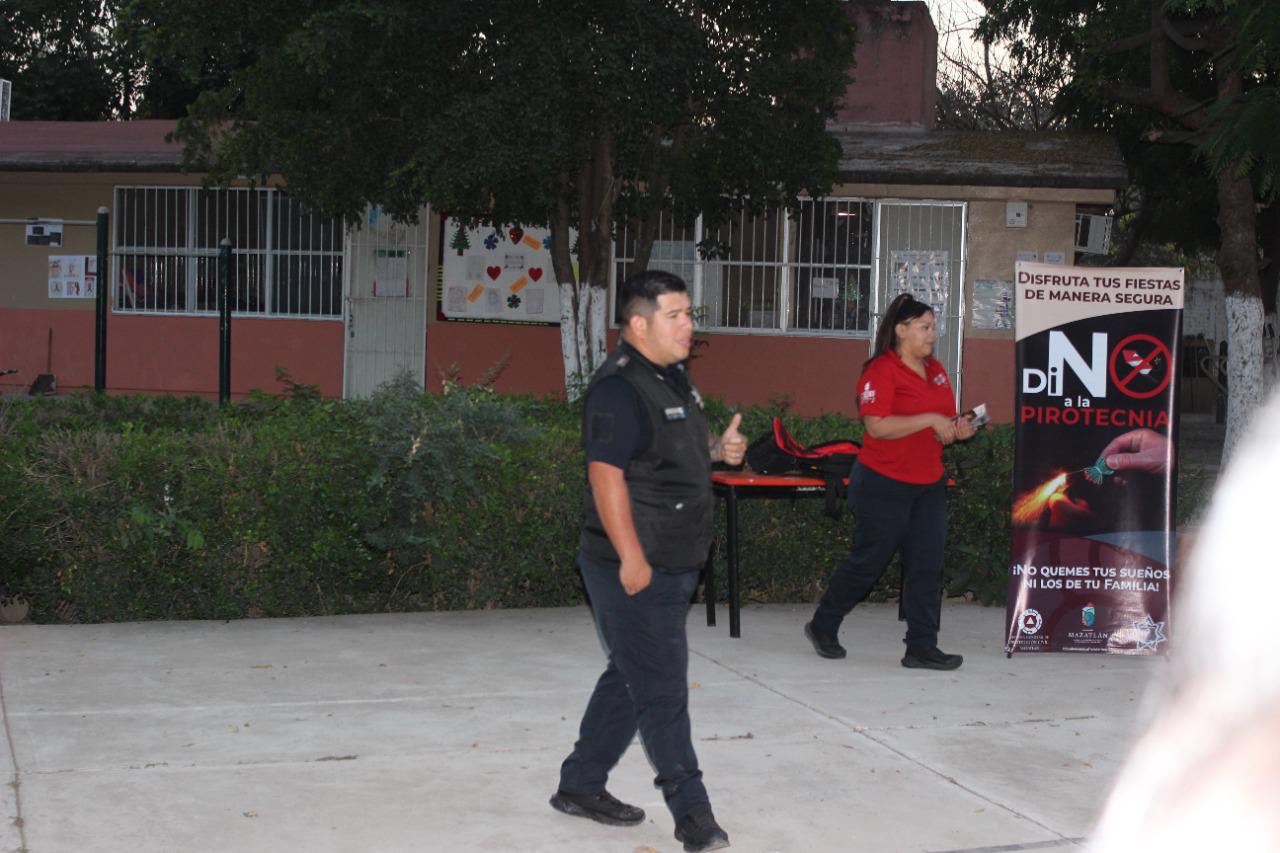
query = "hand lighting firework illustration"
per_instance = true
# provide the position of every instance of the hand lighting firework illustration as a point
(1028, 508)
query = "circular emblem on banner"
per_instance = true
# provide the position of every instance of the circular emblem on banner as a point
(1136, 362)
(1030, 621)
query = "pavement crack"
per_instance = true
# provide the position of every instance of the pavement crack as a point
(16, 782)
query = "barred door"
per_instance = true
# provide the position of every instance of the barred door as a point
(386, 302)
(920, 248)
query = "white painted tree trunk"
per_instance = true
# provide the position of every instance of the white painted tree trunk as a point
(582, 327)
(1270, 352)
(569, 339)
(1244, 366)
(596, 345)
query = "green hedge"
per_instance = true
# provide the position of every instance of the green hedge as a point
(121, 508)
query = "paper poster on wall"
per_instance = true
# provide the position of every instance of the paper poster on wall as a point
(992, 304)
(535, 299)
(391, 272)
(926, 275)
(73, 277)
(498, 274)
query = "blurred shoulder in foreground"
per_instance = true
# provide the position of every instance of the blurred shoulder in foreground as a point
(1205, 775)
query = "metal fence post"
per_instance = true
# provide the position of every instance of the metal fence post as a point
(103, 283)
(224, 321)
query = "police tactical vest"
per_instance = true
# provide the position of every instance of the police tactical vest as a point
(669, 483)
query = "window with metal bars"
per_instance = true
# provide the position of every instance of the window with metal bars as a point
(809, 271)
(675, 250)
(285, 261)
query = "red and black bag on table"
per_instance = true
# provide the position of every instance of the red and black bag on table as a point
(776, 452)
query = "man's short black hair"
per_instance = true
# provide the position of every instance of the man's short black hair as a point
(639, 293)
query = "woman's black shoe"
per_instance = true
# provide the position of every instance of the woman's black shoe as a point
(602, 808)
(824, 644)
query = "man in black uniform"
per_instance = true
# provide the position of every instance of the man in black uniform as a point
(646, 534)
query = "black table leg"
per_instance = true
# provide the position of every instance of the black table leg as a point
(731, 505)
(709, 584)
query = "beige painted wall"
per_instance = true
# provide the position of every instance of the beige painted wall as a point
(24, 281)
(24, 278)
(991, 246)
(24, 270)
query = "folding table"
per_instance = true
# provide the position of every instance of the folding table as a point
(732, 485)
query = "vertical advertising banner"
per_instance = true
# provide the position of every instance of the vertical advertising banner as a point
(1095, 468)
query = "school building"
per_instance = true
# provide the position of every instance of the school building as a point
(788, 311)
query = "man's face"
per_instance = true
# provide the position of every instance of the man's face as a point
(665, 336)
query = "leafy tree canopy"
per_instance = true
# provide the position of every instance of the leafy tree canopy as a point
(60, 58)
(83, 60)
(1161, 70)
(511, 110)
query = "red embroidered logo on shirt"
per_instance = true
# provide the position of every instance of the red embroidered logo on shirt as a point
(868, 394)
(940, 379)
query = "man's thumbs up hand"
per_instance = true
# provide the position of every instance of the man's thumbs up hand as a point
(731, 447)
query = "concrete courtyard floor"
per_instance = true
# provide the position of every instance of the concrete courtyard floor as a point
(445, 731)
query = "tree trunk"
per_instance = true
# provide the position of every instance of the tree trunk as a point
(584, 298)
(562, 265)
(1134, 234)
(574, 383)
(646, 231)
(1238, 262)
(1269, 228)
(582, 333)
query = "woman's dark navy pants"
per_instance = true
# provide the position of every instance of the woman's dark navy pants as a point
(892, 516)
(644, 688)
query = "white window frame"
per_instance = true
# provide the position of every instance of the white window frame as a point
(270, 252)
(786, 267)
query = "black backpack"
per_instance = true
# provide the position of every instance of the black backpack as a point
(776, 452)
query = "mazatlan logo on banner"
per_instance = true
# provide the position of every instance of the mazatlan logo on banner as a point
(1094, 465)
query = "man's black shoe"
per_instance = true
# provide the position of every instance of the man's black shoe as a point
(824, 644)
(701, 832)
(931, 658)
(602, 807)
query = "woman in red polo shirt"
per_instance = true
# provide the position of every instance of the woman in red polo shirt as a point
(897, 489)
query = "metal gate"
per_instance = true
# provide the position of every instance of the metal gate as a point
(385, 290)
(920, 247)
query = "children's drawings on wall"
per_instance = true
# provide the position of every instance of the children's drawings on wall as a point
(499, 274)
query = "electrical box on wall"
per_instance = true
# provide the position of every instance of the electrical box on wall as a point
(1015, 214)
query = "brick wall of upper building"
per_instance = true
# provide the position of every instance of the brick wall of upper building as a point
(895, 79)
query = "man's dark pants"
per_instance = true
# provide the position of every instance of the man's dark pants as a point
(891, 515)
(645, 687)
